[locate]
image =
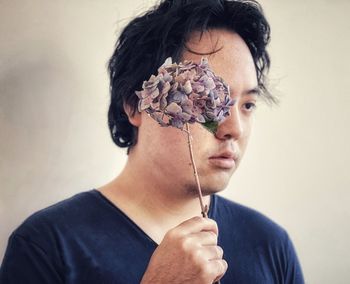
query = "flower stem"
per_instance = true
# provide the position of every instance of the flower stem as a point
(204, 208)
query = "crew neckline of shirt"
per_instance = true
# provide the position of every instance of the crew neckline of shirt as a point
(99, 195)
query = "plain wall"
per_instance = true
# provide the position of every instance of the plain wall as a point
(54, 140)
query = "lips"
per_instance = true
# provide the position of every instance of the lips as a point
(225, 160)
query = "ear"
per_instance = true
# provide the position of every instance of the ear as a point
(134, 119)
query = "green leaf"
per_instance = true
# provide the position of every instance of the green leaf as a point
(211, 126)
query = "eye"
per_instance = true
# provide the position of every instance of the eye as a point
(249, 106)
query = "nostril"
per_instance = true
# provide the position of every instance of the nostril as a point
(231, 128)
(229, 133)
(222, 136)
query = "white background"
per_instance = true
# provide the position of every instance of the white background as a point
(54, 140)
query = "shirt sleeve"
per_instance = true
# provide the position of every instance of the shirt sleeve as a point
(27, 262)
(293, 273)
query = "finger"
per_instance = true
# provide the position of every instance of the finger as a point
(197, 224)
(204, 238)
(212, 252)
(220, 268)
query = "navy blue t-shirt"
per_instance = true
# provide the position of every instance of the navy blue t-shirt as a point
(87, 239)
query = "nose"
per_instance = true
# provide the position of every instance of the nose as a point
(231, 127)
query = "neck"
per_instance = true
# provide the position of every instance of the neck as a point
(144, 190)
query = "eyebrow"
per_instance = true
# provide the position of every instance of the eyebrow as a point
(254, 91)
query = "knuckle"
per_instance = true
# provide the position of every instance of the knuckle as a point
(217, 268)
(211, 237)
(214, 236)
(174, 234)
(171, 234)
(213, 222)
(220, 251)
(185, 244)
(223, 266)
(197, 256)
(209, 271)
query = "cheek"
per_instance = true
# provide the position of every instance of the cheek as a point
(170, 144)
(243, 141)
(203, 141)
(177, 150)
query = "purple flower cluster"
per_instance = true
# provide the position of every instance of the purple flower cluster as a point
(185, 93)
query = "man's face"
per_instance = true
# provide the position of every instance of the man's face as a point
(216, 156)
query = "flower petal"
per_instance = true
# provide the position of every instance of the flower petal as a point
(173, 108)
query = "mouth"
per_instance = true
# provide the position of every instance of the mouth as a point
(226, 160)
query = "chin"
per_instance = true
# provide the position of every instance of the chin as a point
(216, 183)
(211, 190)
(206, 189)
(211, 183)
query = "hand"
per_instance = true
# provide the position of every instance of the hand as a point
(187, 254)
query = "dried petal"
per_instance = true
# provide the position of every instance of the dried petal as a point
(166, 88)
(187, 87)
(173, 108)
(168, 62)
(155, 93)
(184, 116)
(176, 122)
(185, 93)
(145, 103)
(200, 118)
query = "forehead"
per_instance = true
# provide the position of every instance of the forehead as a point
(229, 57)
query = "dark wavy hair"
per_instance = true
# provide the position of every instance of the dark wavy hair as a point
(163, 31)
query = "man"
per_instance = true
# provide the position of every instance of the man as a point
(144, 226)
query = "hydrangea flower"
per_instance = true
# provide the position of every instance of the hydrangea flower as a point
(185, 93)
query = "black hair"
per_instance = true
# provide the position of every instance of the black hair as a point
(162, 32)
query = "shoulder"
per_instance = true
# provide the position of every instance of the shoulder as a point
(247, 222)
(248, 235)
(56, 218)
